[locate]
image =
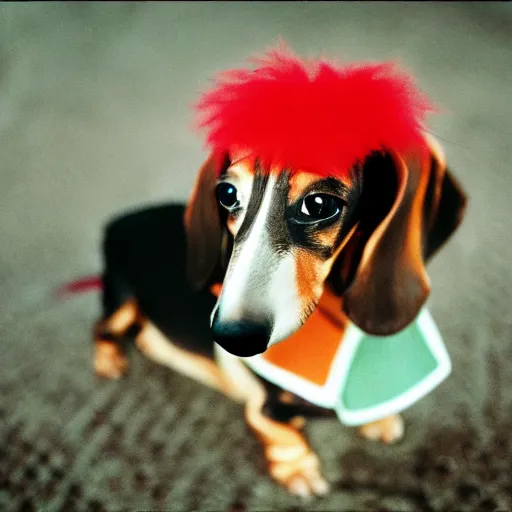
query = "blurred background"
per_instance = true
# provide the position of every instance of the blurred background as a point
(95, 118)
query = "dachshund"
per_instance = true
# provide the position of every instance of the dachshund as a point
(267, 239)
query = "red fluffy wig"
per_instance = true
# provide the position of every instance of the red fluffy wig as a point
(312, 115)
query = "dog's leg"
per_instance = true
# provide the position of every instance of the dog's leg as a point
(387, 430)
(155, 345)
(109, 359)
(290, 459)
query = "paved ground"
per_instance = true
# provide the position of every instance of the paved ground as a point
(94, 117)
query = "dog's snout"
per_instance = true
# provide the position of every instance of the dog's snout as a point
(241, 338)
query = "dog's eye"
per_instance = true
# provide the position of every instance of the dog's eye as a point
(317, 207)
(227, 196)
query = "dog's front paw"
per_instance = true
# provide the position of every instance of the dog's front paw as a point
(388, 430)
(109, 360)
(297, 469)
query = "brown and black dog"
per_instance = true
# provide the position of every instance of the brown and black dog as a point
(252, 255)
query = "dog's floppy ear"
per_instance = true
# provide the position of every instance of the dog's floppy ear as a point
(409, 208)
(446, 201)
(208, 240)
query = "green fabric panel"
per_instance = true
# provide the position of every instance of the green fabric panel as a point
(385, 367)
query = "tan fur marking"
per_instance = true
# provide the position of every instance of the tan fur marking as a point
(311, 271)
(109, 360)
(387, 430)
(231, 225)
(154, 344)
(306, 273)
(271, 432)
(291, 460)
(241, 170)
(298, 182)
(298, 422)
(327, 236)
(286, 397)
(122, 319)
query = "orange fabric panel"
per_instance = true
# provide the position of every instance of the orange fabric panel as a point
(310, 351)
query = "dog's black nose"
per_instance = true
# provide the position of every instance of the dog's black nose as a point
(243, 338)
